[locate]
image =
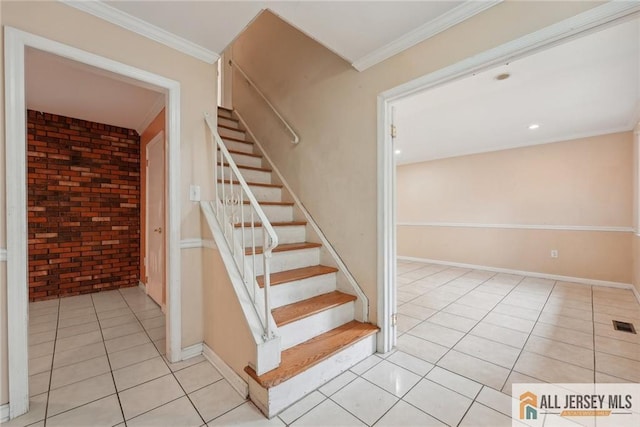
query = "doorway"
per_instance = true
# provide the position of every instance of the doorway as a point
(16, 42)
(589, 21)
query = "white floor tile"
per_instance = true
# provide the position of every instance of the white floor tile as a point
(197, 376)
(499, 334)
(392, 378)
(481, 416)
(337, 383)
(150, 395)
(328, 413)
(302, 407)
(77, 394)
(455, 382)
(364, 400)
(551, 370)
(37, 408)
(420, 348)
(451, 321)
(70, 374)
(103, 412)
(439, 402)
(436, 333)
(411, 363)
(488, 350)
(403, 414)
(139, 373)
(476, 369)
(133, 355)
(368, 363)
(246, 415)
(179, 412)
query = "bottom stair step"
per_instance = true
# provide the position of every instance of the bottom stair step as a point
(309, 353)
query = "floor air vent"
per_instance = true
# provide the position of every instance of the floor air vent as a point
(624, 326)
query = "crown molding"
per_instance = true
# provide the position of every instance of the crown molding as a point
(425, 31)
(143, 28)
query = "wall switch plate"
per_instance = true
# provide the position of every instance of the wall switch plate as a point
(194, 193)
(554, 253)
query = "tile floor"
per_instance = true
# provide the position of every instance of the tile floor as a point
(464, 337)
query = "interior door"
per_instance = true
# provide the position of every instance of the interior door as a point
(155, 229)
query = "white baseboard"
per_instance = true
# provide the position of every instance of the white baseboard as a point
(192, 351)
(142, 286)
(229, 374)
(579, 280)
(636, 293)
(4, 413)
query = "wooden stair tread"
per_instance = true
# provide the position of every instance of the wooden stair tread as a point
(228, 118)
(256, 184)
(231, 128)
(228, 138)
(303, 356)
(243, 153)
(296, 274)
(299, 310)
(286, 247)
(225, 109)
(274, 224)
(253, 168)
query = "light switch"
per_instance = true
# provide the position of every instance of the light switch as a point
(194, 193)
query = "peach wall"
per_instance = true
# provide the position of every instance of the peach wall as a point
(64, 24)
(583, 182)
(333, 107)
(155, 127)
(225, 327)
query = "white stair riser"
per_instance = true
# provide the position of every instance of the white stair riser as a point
(275, 213)
(249, 175)
(262, 194)
(274, 400)
(288, 260)
(304, 329)
(238, 146)
(228, 122)
(255, 162)
(289, 234)
(224, 132)
(224, 113)
(288, 293)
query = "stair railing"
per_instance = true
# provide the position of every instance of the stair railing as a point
(296, 139)
(243, 223)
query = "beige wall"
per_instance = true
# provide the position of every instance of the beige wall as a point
(64, 24)
(583, 182)
(333, 107)
(225, 327)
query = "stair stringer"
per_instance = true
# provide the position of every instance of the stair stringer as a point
(267, 350)
(345, 280)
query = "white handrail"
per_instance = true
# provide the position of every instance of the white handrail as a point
(296, 139)
(246, 268)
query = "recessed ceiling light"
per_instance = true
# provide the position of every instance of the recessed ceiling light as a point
(398, 151)
(534, 126)
(503, 76)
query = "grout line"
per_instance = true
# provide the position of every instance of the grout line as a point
(527, 340)
(115, 387)
(46, 409)
(171, 372)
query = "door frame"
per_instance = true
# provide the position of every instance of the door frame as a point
(155, 140)
(589, 21)
(15, 43)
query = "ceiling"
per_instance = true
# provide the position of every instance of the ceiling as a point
(68, 88)
(585, 87)
(363, 33)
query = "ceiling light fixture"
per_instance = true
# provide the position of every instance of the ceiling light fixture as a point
(398, 151)
(503, 76)
(534, 126)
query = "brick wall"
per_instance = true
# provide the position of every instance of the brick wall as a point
(83, 206)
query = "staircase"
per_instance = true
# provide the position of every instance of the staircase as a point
(311, 306)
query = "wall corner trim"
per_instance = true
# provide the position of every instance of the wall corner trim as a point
(229, 374)
(4, 413)
(191, 351)
(443, 22)
(3, 254)
(144, 28)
